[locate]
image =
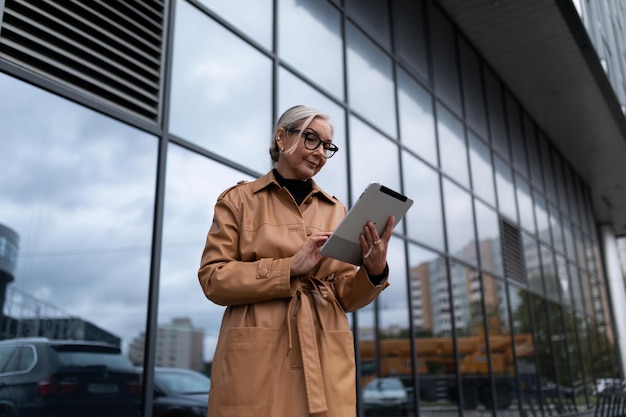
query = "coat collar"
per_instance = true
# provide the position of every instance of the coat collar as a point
(269, 180)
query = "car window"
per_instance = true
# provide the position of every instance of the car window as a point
(111, 360)
(183, 382)
(5, 354)
(16, 358)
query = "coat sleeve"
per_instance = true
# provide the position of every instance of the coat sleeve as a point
(355, 291)
(225, 279)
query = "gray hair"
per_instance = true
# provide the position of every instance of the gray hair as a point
(297, 117)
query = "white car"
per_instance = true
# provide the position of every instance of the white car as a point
(385, 395)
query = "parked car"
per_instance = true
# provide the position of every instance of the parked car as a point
(385, 396)
(180, 393)
(65, 378)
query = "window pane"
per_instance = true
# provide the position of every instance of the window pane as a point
(533, 264)
(482, 169)
(373, 16)
(333, 178)
(453, 149)
(188, 215)
(220, 91)
(417, 125)
(317, 25)
(474, 99)
(506, 191)
(370, 81)
(445, 65)
(525, 202)
(533, 153)
(424, 219)
(516, 136)
(490, 246)
(79, 192)
(543, 225)
(497, 122)
(372, 150)
(557, 230)
(459, 221)
(410, 38)
(253, 17)
(551, 282)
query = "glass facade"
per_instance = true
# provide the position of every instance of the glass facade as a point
(112, 211)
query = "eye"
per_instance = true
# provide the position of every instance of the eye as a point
(311, 139)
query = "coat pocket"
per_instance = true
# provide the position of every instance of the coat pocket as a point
(338, 366)
(246, 376)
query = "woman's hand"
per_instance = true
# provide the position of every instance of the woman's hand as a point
(374, 247)
(309, 254)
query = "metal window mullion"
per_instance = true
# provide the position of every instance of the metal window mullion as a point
(92, 12)
(77, 59)
(83, 35)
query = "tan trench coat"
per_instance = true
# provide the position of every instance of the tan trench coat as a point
(285, 347)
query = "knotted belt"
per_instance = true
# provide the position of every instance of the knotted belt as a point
(306, 289)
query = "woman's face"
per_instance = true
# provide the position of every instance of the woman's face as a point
(303, 163)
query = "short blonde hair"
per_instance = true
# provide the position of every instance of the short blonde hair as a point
(297, 117)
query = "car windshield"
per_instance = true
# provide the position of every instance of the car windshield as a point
(183, 382)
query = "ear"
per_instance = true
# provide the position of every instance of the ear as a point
(280, 137)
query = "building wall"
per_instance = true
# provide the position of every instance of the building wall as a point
(113, 172)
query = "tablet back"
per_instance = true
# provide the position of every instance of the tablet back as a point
(376, 203)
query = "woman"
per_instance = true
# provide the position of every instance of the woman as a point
(285, 347)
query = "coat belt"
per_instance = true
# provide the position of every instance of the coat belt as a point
(313, 378)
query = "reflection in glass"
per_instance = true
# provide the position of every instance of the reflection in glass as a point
(220, 91)
(495, 108)
(317, 25)
(452, 147)
(445, 65)
(552, 285)
(473, 96)
(533, 264)
(482, 170)
(417, 125)
(192, 186)
(409, 34)
(459, 221)
(386, 353)
(78, 189)
(557, 230)
(432, 318)
(373, 17)
(514, 120)
(370, 81)
(525, 362)
(534, 161)
(490, 245)
(563, 280)
(548, 173)
(375, 158)
(506, 191)
(333, 178)
(254, 17)
(425, 218)
(525, 202)
(543, 221)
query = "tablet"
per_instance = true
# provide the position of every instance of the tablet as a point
(376, 203)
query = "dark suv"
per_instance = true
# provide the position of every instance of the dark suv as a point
(64, 378)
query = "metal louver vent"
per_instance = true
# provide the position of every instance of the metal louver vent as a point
(109, 50)
(513, 252)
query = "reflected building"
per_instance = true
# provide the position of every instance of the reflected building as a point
(122, 122)
(180, 345)
(9, 241)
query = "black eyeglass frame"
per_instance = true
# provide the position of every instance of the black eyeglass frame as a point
(328, 147)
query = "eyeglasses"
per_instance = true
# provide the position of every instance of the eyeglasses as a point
(312, 142)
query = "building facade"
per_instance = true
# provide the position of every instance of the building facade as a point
(121, 123)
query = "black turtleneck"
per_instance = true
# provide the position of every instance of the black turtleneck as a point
(299, 189)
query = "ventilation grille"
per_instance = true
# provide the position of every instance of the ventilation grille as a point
(513, 252)
(109, 50)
